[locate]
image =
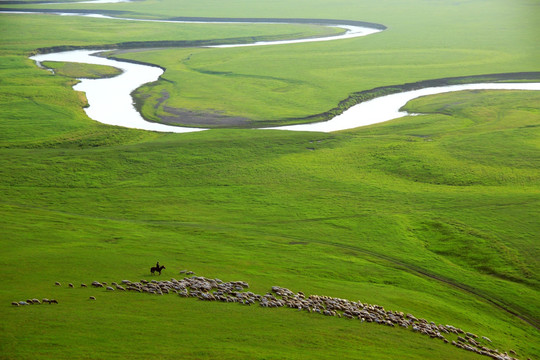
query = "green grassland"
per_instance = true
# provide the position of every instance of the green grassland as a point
(361, 216)
(436, 214)
(77, 70)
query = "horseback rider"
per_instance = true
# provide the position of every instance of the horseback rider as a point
(157, 268)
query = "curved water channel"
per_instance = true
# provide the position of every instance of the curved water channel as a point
(110, 101)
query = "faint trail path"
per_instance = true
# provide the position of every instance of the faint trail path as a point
(534, 322)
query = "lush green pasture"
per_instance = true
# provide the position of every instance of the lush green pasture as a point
(77, 70)
(27, 32)
(436, 215)
(359, 215)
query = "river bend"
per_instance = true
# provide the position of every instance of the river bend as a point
(110, 101)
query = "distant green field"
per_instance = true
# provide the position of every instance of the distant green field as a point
(434, 215)
(76, 70)
(424, 40)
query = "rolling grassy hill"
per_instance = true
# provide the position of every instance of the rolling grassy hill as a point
(435, 215)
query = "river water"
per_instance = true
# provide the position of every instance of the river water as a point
(110, 101)
(388, 107)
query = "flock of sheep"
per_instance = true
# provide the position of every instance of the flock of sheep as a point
(33, 302)
(235, 291)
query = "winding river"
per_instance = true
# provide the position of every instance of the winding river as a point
(110, 101)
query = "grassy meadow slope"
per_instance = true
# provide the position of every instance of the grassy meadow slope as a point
(436, 215)
(344, 219)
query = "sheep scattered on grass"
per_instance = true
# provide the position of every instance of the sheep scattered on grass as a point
(235, 291)
(33, 302)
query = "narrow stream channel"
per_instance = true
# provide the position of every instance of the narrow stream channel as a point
(110, 101)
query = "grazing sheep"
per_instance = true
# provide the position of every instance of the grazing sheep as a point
(92, 298)
(45, 300)
(83, 285)
(36, 301)
(57, 284)
(14, 303)
(70, 285)
(53, 301)
(235, 291)
(23, 303)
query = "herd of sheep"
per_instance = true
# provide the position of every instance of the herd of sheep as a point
(236, 292)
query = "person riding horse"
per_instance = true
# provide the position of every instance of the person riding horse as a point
(157, 268)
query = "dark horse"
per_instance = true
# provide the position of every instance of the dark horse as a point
(153, 269)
